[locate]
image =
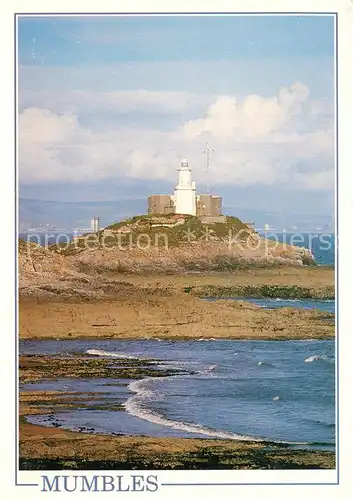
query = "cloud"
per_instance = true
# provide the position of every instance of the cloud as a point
(284, 138)
(254, 117)
(41, 126)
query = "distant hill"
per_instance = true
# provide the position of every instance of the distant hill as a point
(66, 214)
(76, 214)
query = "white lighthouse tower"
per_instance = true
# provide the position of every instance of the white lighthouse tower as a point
(185, 192)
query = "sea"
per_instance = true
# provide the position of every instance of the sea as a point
(322, 245)
(276, 303)
(277, 391)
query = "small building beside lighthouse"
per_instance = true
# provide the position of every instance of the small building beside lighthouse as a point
(185, 200)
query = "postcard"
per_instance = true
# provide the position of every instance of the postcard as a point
(179, 173)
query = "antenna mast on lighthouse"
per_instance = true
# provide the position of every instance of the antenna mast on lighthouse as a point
(207, 153)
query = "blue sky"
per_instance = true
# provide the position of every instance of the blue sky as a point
(127, 97)
(94, 40)
(283, 47)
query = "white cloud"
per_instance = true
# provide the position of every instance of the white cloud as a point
(283, 138)
(254, 117)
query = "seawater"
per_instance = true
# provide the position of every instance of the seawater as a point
(322, 245)
(276, 303)
(273, 390)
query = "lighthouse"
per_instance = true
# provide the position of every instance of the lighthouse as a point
(185, 192)
(185, 201)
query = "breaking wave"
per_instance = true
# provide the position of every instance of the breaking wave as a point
(265, 363)
(99, 352)
(207, 372)
(323, 357)
(134, 406)
(177, 364)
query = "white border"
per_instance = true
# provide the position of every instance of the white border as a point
(344, 8)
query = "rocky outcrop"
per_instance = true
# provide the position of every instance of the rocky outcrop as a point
(37, 264)
(147, 245)
(45, 273)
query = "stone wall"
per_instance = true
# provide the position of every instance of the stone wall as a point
(209, 205)
(208, 219)
(160, 204)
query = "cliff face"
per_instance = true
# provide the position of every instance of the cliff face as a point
(44, 272)
(179, 244)
(35, 261)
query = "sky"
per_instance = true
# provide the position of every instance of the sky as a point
(122, 100)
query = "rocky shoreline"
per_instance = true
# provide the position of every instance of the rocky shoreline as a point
(54, 448)
(159, 306)
(263, 292)
(173, 316)
(63, 297)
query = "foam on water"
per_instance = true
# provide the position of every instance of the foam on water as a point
(265, 363)
(134, 406)
(208, 391)
(318, 357)
(99, 352)
(207, 372)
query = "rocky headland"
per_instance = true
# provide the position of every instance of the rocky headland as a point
(178, 244)
(108, 284)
